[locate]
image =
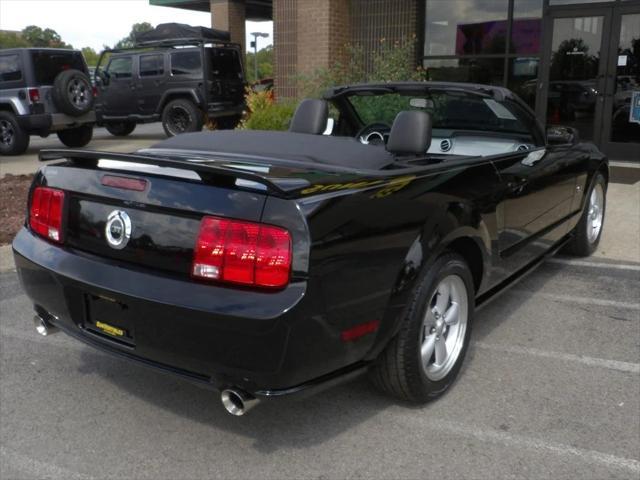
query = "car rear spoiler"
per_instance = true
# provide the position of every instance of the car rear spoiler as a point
(90, 158)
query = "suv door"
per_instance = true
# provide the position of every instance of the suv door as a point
(118, 95)
(226, 77)
(151, 82)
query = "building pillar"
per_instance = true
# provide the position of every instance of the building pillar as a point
(229, 15)
(310, 36)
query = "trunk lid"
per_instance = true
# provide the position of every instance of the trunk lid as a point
(164, 216)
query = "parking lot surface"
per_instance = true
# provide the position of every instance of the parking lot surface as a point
(550, 389)
(143, 136)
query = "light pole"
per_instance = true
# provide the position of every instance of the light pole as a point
(255, 50)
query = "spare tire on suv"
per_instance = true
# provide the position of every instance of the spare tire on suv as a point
(72, 93)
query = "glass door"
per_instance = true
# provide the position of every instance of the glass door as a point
(575, 64)
(621, 126)
(590, 75)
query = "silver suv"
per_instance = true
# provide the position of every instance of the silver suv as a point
(44, 90)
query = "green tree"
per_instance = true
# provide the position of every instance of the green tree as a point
(90, 55)
(265, 64)
(38, 37)
(130, 40)
(12, 40)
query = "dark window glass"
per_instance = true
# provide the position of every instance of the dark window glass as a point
(523, 74)
(225, 63)
(48, 64)
(10, 68)
(570, 2)
(625, 127)
(476, 70)
(120, 67)
(151, 65)
(186, 63)
(464, 27)
(527, 27)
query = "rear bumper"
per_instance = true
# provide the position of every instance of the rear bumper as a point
(216, 339)
(45, 122)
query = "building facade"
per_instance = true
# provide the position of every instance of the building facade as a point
(575, 62)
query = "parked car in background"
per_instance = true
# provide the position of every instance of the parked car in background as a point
(180, 75)
(44, 90)
(267, 264)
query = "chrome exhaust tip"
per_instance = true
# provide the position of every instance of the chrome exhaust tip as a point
(43, 327)
(237, 402)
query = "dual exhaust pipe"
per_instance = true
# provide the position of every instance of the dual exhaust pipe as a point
(235, 401)
(43, 326)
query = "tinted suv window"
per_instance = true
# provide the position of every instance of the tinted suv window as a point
(120, 67)
(47, 64)
(225, 64)
(10, 68)
(151, 65)
(186, 63)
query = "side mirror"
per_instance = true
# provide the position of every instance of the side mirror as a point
(330, 123)
(557, 135)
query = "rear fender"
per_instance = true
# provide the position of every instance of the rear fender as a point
(438, 235)
(173, 93)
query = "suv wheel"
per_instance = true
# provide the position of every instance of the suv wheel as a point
(76, 137)
(120, 129)
(13, 139)
(72, 93)
(181, 116)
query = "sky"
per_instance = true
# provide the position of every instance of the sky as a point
(95, 23)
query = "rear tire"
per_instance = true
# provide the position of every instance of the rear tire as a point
(424, 358)
(13, 139)
(120, 129)
(181, 116)
(76, 137)
(587, 234)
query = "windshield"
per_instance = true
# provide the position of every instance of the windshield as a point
(449, 110)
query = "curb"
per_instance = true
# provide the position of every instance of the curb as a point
(6, 259)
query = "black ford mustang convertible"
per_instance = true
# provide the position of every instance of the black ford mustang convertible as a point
(267, 264)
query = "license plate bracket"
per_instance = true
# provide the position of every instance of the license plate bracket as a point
(109, 318)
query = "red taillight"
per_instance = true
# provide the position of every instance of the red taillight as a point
(45, 214)
(94, 90)
(34, 95)
(126, 183)
(244, 253)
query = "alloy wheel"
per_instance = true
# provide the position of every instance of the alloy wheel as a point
(444, 327)
(595, 214)
(7, 133)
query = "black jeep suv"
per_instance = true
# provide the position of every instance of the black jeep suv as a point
(184, 76)
(44, 90)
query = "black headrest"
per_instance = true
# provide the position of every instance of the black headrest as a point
(311, 117)
(410, 133)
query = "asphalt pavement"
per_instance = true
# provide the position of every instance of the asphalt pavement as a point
(143, 136)
(550, 389)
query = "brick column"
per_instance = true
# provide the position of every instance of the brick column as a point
(309, 36)
(229, 15)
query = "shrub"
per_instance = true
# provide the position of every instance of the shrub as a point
(265, 114)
